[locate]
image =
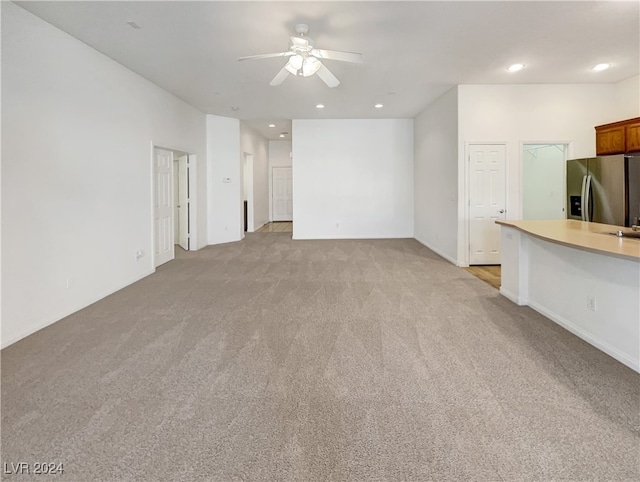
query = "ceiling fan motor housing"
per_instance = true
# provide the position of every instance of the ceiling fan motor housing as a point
(302, 29)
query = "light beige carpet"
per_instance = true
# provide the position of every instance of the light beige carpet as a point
(272, 359)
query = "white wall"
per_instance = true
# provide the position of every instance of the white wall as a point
(353, 178)
(77, 132)
(436, 176)
(279, 156)
(529, 113)
(252, 142)
(628, 99)
(224, 199)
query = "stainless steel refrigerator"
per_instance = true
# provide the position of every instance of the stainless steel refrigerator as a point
(604, 189)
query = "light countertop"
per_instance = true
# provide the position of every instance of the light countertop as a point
(580, 234)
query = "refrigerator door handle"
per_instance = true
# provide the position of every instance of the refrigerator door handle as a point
(582, 196)
(587, 192)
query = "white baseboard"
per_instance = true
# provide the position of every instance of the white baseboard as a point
(438, 252)
(509, 295)
(586, 336)
(59, 316)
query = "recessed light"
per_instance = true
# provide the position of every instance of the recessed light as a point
(515, 67)
(235, 108)
(272, 125)
(600, 67)
(319, 106)
(282, 135)
(378, 106)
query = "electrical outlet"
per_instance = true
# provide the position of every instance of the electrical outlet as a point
(139, 254)
(591, 303)
(69, 282)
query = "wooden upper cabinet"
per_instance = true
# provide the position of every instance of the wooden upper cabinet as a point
(618, 138)
(632, 136)
(610, 140)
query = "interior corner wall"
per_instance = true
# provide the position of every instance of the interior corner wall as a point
(77, 135)
(352, 178)
(224, 180)
(436, 176)
(514, 114)
(252, 142)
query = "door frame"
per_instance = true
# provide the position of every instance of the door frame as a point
(465, 198)
(247, 185)
(569, 154)
(193, 208)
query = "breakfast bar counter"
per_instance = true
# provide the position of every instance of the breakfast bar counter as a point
(582, 235)
(580, 276)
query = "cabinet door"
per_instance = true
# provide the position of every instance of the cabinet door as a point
(610, 140)
(632, 136)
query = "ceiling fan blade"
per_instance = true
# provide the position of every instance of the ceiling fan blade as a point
(336, 55)
(280, 77)
(267, 56)
(327, 77)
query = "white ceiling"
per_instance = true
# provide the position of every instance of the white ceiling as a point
(414, 51)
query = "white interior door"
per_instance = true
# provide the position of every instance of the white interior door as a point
(163, 206)
(487, 201)
(183, 202)
(282, 194)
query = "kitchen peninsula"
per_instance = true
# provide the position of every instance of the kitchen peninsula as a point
(580, 276)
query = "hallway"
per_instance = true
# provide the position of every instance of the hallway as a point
(277, 227)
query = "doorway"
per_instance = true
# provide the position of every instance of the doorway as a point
(282, 192)
(171, 197)
(247, 193)
(543, 181)
(487, 201)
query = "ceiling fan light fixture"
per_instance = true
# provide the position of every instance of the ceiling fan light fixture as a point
(294, 64)
(310, 66)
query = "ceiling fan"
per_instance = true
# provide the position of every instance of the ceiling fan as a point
(304, 59)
